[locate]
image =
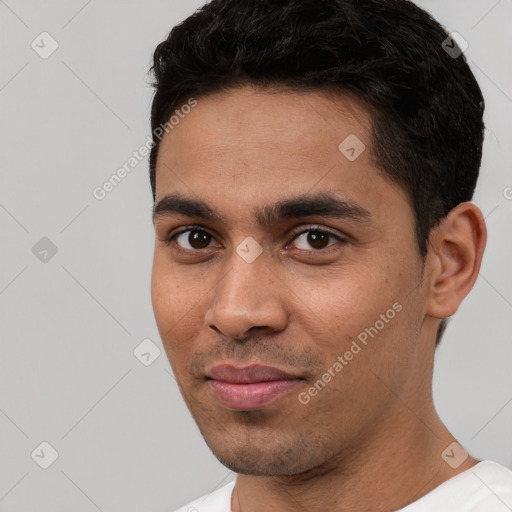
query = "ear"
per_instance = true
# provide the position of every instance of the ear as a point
(456, 248)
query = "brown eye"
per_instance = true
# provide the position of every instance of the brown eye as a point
(316, 238)
(195, 239)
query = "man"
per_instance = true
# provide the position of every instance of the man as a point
(312, 171)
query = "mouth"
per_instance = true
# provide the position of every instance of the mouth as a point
(250, 387)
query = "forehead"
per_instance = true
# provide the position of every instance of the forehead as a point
(274, 117)
(249, 146)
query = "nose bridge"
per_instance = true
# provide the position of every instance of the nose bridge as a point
(247, 295)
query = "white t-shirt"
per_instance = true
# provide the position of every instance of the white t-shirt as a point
(486, 487)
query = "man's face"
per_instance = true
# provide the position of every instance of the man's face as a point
(300, 293)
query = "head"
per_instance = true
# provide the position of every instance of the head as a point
(297, 122)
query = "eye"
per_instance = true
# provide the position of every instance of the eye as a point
(316, 238)
(192, 239)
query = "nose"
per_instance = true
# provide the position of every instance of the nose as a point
(249, 296)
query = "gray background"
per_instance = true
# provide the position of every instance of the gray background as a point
(69, 325)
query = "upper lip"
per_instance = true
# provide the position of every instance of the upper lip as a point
(248, 374)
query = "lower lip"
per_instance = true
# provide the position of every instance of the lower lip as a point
(251, 396)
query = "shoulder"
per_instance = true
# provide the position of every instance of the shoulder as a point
(486, 487)
(217, 501)
(495, 477)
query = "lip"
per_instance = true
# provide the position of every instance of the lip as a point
(250, 387)
(248, 374)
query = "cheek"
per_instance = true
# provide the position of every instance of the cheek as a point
(164, 295)
(170, 295)
(170, 306)
(365, 304)
(349, 299)
(178, 305)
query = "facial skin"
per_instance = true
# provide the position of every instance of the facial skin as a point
(303, 301)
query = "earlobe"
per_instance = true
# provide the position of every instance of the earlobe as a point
(456, 248)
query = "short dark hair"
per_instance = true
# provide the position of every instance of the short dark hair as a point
(425, 103)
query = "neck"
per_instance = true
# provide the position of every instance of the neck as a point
(393, 466)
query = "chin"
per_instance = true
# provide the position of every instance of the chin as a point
(266, 457)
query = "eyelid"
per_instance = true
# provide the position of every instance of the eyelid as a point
(304, 228)
(169, 240)
(315, 227)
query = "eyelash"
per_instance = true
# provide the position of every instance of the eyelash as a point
(312, 228)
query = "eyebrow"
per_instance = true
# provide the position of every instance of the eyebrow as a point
(323, 204)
